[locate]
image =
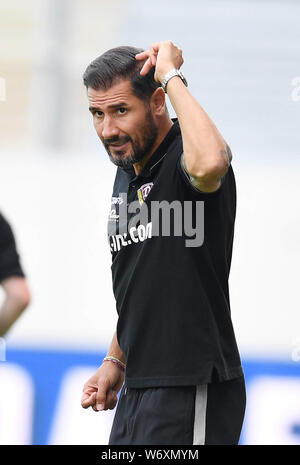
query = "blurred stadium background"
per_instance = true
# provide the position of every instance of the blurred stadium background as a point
(242, 63)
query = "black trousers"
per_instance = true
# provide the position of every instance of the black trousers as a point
(208, 414)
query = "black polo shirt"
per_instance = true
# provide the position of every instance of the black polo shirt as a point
(9, 257)
(174, 324)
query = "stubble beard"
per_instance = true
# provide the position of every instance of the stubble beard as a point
(139, 149)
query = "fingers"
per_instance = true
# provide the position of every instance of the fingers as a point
(106, 397)
(100, 392)
(109, 403)
(99, 403)
(141, 56)
(150, 56)
(103, 387)
(111, 399)
(153, 49)
(171, 54)
(88, 399)
(146, 68)
(151, 53)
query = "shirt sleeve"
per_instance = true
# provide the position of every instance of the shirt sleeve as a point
(9, 257)
(189, 180)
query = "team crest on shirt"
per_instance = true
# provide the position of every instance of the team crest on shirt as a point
(143, 192)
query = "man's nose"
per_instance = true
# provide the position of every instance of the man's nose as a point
(109, 128)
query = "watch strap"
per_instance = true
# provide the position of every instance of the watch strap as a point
(173, 72)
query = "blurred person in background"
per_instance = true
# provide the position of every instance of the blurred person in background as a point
(12, 279)
(174, 352)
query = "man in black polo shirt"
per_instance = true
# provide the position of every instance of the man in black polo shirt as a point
(170, 232)
(12, 279)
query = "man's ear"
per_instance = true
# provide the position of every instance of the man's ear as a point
(158, 102)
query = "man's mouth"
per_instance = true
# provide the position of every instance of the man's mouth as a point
(119, 146)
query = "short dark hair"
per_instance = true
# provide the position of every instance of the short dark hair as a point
(120, 63)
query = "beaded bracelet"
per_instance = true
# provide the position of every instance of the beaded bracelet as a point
(115, 360)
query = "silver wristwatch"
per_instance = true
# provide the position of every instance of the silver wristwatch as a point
(169, 75)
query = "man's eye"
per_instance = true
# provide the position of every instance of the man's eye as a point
(98, 113)
(122, 111)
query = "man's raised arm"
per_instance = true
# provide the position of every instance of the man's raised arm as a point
(206, 155)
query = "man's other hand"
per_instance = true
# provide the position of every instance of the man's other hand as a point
(100, 391)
